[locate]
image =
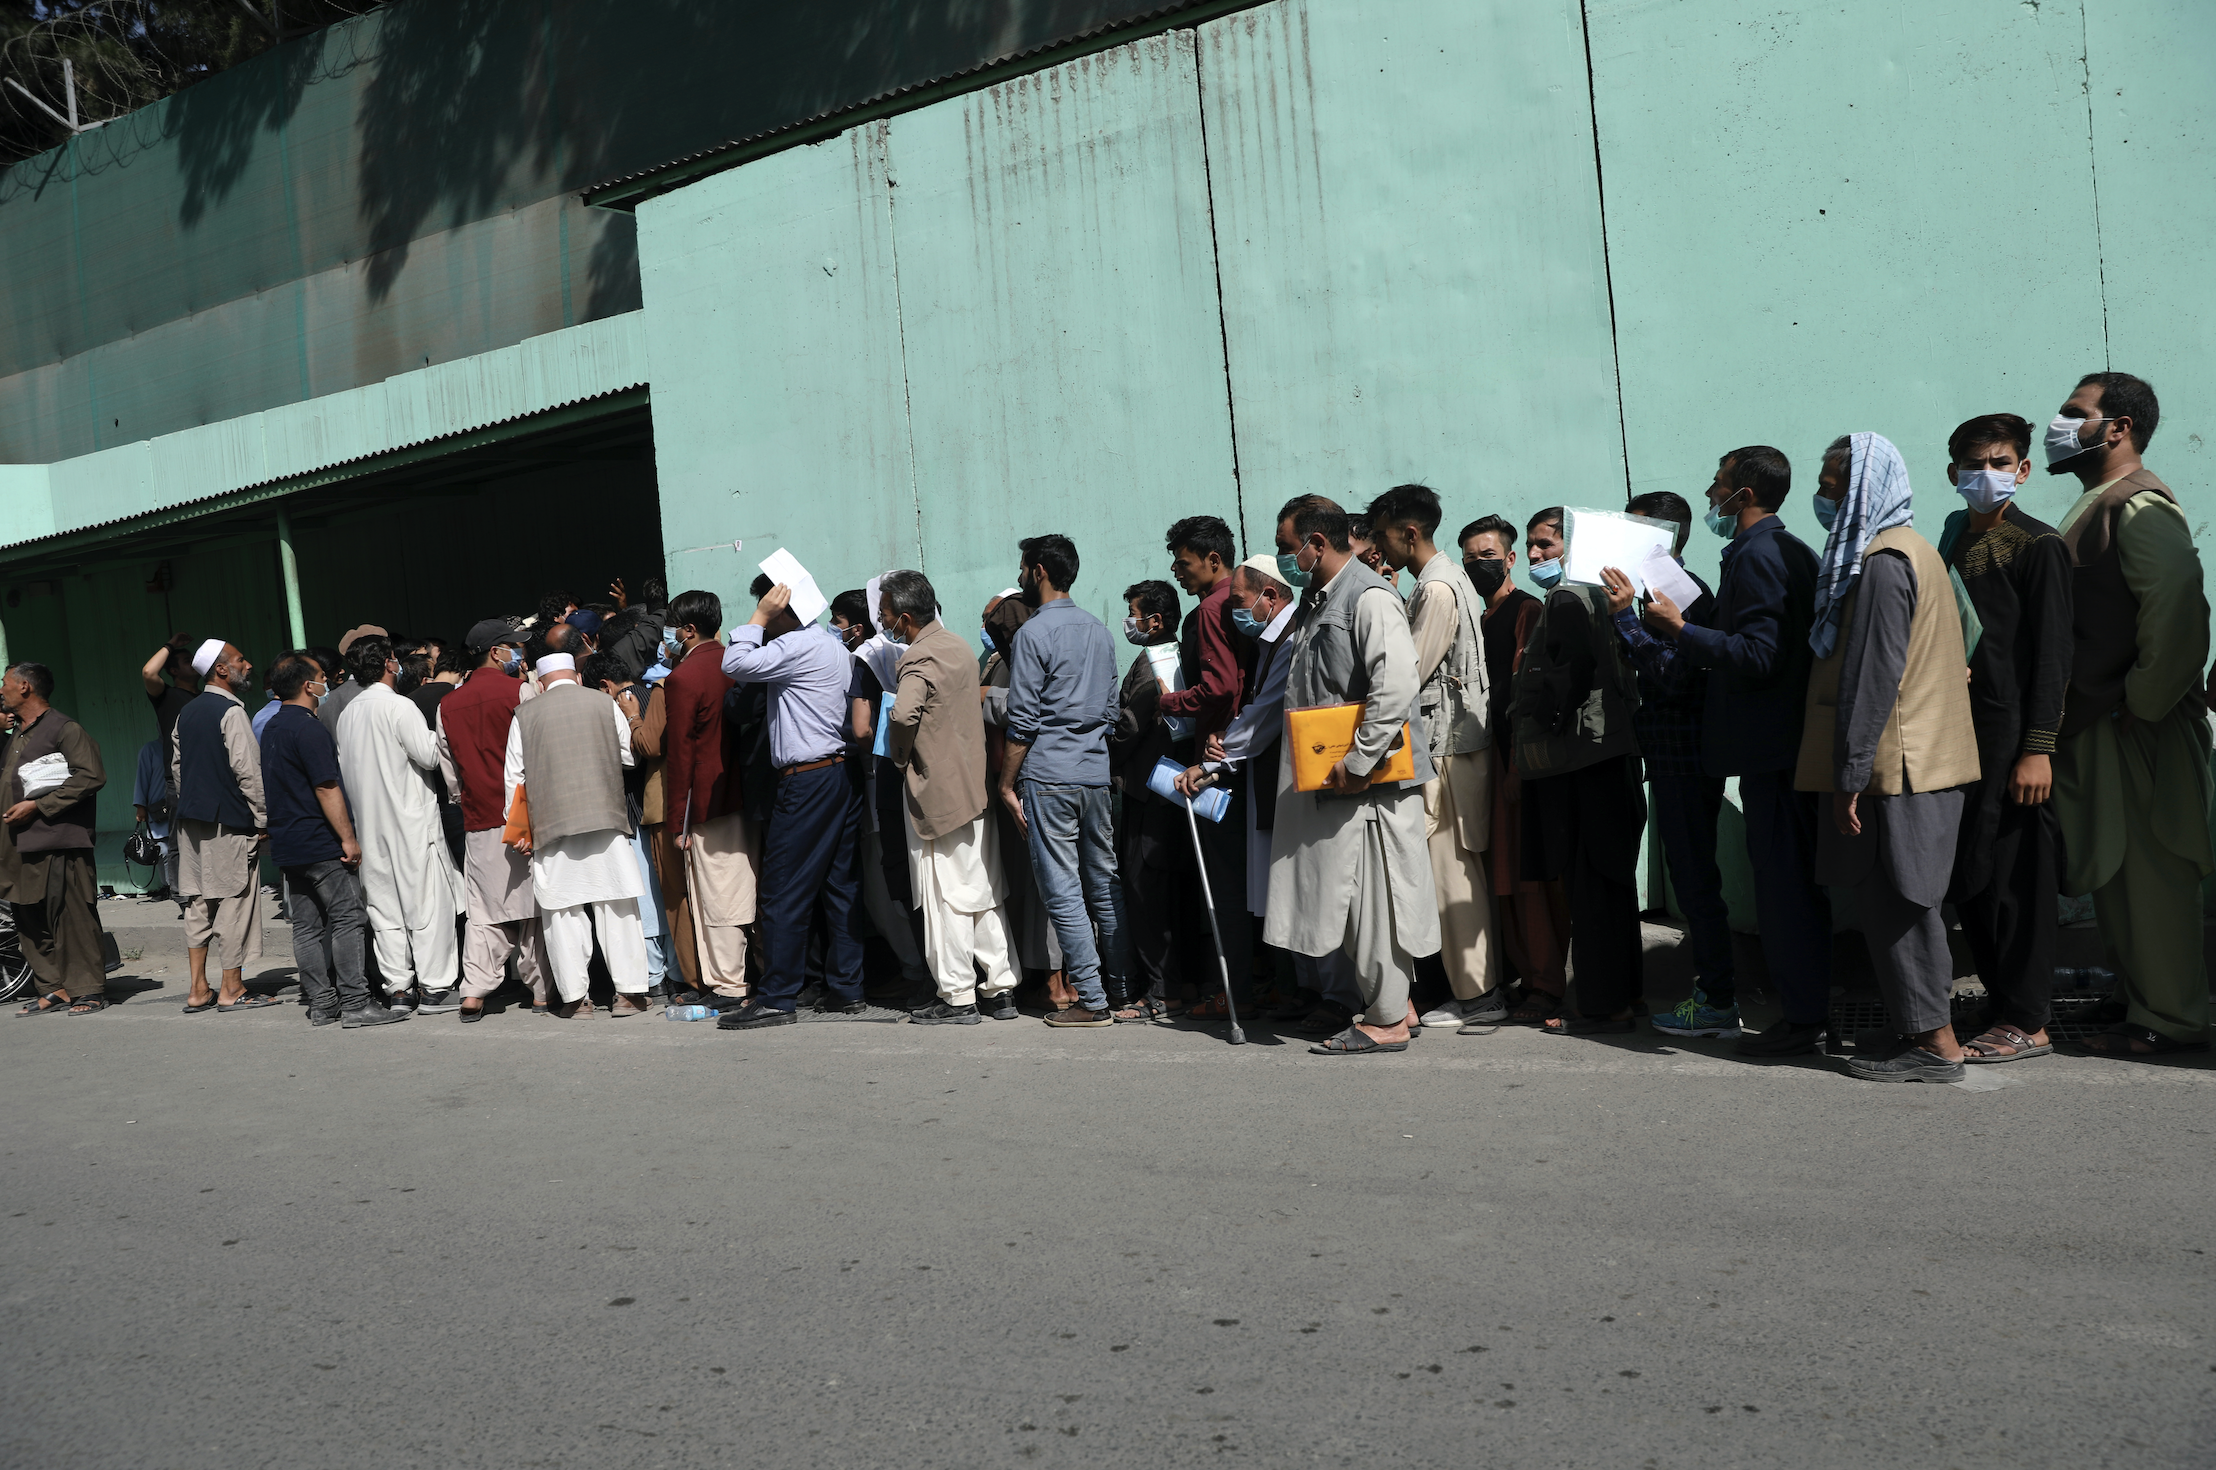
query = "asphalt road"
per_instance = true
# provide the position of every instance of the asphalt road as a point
(234, 1242)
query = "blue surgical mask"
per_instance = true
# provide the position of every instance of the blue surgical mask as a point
(985, 640)
(1131, 633)
(1723, 522)
(1827, 511)
(1546, 573)
(669, 636)
(1289, 569)
(1244, 619)
(1986, 490)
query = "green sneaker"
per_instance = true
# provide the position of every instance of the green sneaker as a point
(1696, 1017)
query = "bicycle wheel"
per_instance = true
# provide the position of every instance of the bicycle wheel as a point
(15, 971)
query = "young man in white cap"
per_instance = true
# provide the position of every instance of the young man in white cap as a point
(216, 767)
(567, 749)
(387, 756)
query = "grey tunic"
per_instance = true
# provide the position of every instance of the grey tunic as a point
(1911, 836)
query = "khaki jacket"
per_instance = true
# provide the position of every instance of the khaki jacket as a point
(937, 733)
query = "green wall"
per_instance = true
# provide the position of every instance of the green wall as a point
(1532, 254)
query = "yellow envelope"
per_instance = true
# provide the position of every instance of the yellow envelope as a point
(1319, 735)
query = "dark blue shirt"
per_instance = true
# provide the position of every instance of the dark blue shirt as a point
(298, 755)
(1672, 690)
(1756, 652)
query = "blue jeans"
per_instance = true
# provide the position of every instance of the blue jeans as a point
(1073, 855)
(1685, 809)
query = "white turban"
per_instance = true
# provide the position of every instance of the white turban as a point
(555, 663)
(205, 659)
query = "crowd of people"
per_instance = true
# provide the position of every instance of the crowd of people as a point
(790, 813)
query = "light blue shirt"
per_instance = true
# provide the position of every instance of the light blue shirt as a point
(807, 673)
(1062, 695)
(264, 715)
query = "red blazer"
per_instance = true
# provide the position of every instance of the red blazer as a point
(693, 755)
(477, 715)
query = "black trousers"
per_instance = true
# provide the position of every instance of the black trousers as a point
(1584, 828)
(1161, 901)
(329, 927)
(2011, 924)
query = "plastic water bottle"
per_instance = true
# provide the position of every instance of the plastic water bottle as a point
(689, 1013)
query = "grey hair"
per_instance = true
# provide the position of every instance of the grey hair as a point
(908, 593)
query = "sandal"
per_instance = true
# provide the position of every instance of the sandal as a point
(247, 1002)
(45, 1005)
(1137, 1010)
(1354, 1042)
(91, 1005)
(1589, 1026)
(1535, 1009)
(2138, 1041)
(2003, 1044)
(1211, 1009)
(469, 1015)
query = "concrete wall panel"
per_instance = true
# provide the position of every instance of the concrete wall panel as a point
(782, 419)
(1058, 305)
(1832, 218)
(1413, 280)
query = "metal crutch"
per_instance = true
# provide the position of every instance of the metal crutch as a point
(1223, 966)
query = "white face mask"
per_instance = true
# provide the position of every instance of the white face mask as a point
(1986, 490)
(2063, 441)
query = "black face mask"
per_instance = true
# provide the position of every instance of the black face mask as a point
(1486, 574)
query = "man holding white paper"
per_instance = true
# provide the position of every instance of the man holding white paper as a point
(815, 826)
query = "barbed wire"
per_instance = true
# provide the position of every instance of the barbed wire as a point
(87, 63)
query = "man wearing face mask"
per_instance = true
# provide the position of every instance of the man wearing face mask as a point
(2131, 778)
(935, 740)
(222, 821)
(1350, 873)
(717, 844)
(1687, 800)
(1456, 700)
(1889, 738)
(1758, 659)
(1584, 809)
(1154, 855)
(472, 742)
(2007, 857)
(1202, 553)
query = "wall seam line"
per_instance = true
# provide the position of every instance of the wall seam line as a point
(900, 330)
(1607, 266)
(2093, 166)
(1215, 257)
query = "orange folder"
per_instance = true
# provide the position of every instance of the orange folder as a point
(1319, 735)
(518, 826)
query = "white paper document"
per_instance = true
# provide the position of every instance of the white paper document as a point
(1593, 539)
(808, 599)
(1661, 573)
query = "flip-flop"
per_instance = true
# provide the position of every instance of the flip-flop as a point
(2020, 1045)
(469, 1015)
(1354, 1042)
(45, 1005)
(249, 1002)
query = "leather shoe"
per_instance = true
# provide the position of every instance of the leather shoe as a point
(753, 1015)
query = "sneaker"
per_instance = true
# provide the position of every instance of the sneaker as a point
(1001, 1007)
(1450, 1014)
(372, 1014)
(1078, 1015)
(753, 1015)
(435, 1001)
(943, 1014)
(1694, 1016)
(1489, 1009)
(401, 1002)
(1913, 1064)
(1782, 1039)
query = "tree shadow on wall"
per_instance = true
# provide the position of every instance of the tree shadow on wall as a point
(478, 106)
(219, 123)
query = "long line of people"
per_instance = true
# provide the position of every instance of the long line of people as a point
(802, 813)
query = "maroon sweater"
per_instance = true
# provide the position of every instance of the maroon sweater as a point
(477, 715)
